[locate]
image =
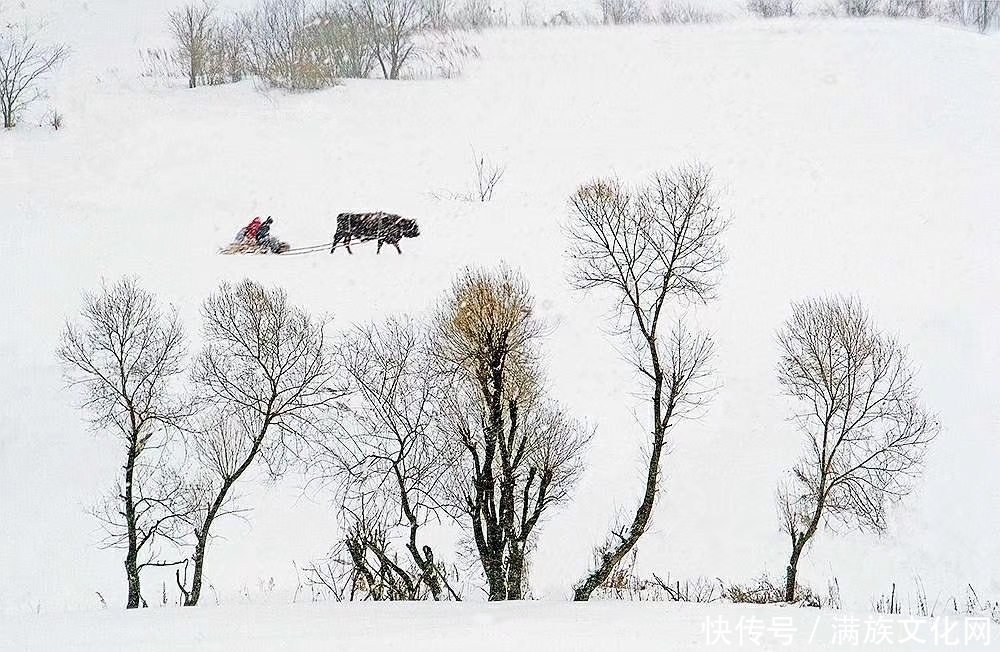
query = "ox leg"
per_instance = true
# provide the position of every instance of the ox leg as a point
(398, 250)
(379, 247)
(336, 239)
(347, 243)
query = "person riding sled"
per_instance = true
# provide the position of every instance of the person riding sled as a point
(256, 238)
(248, 234)
(268, 241)
(263, 231)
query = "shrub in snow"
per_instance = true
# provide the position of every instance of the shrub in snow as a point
(859, 8)
(291, 44)
(907, 8)
(626, 584)
(192, 28)
(685, 14)
(441, 54)
(623, 12)
(343, 39)
(226, 58)
(488, 176)
(283, 48)
(897, 602)
(479, 14)
(160, 63)
(764, 590)
(562, 18)
(771, 8)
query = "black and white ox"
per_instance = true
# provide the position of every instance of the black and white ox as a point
(384, 227)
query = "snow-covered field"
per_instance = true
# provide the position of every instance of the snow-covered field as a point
(489, 627)
(855, 157)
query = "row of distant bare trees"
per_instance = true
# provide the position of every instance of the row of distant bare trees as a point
(415, 423)
(300, 44)
(983, 15)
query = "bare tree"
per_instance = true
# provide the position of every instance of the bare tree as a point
(475, 15)
(345, 40)
(772, 8)
(281, 46)
(227, 52)
(865, 430)
(394, 26)
(193, 28)
(519, 453)
(623, 12)
(376, 570)
(24, 62)
(387, 458)
(860, 8)
(263, 375)
(651, 246)
(685, 13)
(124, 355)
(984, 14)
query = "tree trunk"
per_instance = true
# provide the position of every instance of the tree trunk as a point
(612, 558)
(132, 554)
(792, 570)
(800, 541)
(191, 598)
(489, 513)
(495, 578)
(134, 589)
(515, 572)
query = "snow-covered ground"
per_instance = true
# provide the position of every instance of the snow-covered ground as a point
(855, 156)
(554, 627)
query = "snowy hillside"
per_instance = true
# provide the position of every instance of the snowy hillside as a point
(859, 157)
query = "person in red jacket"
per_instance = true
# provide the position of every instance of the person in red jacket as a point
(249, 232)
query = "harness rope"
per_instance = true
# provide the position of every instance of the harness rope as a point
(307, 250)
(288, 252)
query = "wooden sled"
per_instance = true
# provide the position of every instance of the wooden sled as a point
(253, 248)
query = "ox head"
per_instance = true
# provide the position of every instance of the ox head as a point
(408, 228)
